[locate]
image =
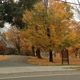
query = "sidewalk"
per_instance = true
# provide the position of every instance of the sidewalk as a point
(9, 70)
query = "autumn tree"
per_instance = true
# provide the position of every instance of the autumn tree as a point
(76, 46)
(61, 20)
(20, 40)
(48, 29)
(13, 36)
(36, 31)
(25, 43)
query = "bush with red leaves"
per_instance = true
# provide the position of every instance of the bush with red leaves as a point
(3, 48)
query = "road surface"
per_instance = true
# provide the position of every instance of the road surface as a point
(15, 61)
(17, 68)
(45, 77)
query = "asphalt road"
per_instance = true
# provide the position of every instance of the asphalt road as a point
(15, 61)
(45, 77)
(18, 62)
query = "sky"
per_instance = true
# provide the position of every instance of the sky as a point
(76, 17)
(5, 28)
(71, 1)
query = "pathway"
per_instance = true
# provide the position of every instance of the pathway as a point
(15, 61)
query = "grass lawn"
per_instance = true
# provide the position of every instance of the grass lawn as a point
(3, 57)
(57, 61)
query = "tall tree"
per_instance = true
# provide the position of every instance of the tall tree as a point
(76, 30)
(48, 29)
(11, 11)
(13, 35)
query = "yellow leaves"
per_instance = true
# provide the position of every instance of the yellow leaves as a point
(52, 31)
(27, 17)
(8, 32)
(56, 18)
(39, 6)
(25, 41)
(24, 34)
(77, 45)
(58, 12)
(73, 34)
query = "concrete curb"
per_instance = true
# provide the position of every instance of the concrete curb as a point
(10, 70)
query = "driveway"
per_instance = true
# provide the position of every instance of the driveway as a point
(15, 61)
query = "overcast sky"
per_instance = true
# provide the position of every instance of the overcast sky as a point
(71, 1)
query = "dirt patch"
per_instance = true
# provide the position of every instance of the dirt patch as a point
(3, 57)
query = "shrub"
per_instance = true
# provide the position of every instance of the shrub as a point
(3, 48)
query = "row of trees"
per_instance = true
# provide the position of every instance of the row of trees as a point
(48, 27)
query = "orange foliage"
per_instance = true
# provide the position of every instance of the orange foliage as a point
(3, 58)
(53, 21)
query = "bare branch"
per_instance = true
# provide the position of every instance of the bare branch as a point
(68, 2)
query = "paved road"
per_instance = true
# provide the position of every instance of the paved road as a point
(45, 77)
(15, 61)
(17, 68)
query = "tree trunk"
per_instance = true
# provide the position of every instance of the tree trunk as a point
(50, 56)
(76, 52)
(38, 53)
(18, 44)
(33, 51)
(19, 50)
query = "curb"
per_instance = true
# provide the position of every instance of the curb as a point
(32, 69)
